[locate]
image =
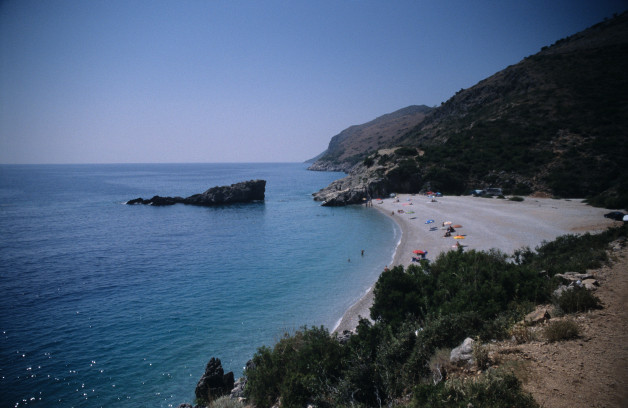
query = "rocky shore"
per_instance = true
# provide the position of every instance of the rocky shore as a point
(243, 192)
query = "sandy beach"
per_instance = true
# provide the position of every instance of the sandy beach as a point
(486, 223)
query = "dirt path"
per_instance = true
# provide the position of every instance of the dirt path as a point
(591, 371)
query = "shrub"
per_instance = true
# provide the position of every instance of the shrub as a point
(406, 151)
(561, 330)
(455, 283)
(298, 368)
(439, 364)
(480, 355)
(226, 402)
(575, 253)
(516, 198)
(521, 333)
(493, 390)
(577, 299)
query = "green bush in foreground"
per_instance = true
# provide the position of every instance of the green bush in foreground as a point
(561, 330)
(299, 368)
(457, 282)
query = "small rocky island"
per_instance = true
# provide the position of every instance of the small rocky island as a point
(243, 192)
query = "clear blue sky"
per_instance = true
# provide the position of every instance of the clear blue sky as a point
(129, 81)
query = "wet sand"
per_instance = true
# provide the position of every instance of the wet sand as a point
(486, 223)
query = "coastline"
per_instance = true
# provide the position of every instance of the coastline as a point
(487, 223)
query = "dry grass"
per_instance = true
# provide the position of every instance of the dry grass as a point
(561, 330)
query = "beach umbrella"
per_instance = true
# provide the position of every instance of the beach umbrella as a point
(418, 251)
(456, 226)
(458, 237)
(429, 221)
(447, 223)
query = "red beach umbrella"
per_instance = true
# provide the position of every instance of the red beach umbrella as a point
(418, 251)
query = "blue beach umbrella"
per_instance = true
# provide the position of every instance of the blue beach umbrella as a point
(429, 221)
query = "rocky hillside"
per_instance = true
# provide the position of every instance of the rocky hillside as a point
(356, 142)
(554, 123)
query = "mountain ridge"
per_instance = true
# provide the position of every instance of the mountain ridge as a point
(353, 143)
(554, 124)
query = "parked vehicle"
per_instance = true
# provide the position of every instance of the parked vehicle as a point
(615, 215)
(494, 191)
(488, 192)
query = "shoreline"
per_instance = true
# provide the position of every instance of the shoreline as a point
(487, 223)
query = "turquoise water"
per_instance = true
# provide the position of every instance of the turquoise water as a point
(104, 304)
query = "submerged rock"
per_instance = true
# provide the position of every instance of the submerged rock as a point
(243, 192)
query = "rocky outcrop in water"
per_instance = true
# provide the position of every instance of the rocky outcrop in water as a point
(244, 192)
(214, 383)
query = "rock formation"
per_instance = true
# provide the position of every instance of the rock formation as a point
(463, 354)
(214, 383)
(244, 192)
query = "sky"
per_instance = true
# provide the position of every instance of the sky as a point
(132, 81)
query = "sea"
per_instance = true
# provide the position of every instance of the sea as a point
(104, 304)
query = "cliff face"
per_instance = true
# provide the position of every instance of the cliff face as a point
(553, 123)
(354, 143)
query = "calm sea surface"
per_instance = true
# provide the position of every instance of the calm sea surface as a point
(104, 304)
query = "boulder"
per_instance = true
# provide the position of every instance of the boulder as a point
(537, 316)
(244, 192)
(569, 277)
(345, 197)
(590, 284)
(345, 336)
(560, 290)
(463, 354)
(238, 388)
(214, 382)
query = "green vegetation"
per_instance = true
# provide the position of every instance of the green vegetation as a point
(298, 368)
(420, 313)
(480, 355)
(561, 330)
(561, 115)
(577, 299)
(406, 151)
(495, 390)
(457, 282)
